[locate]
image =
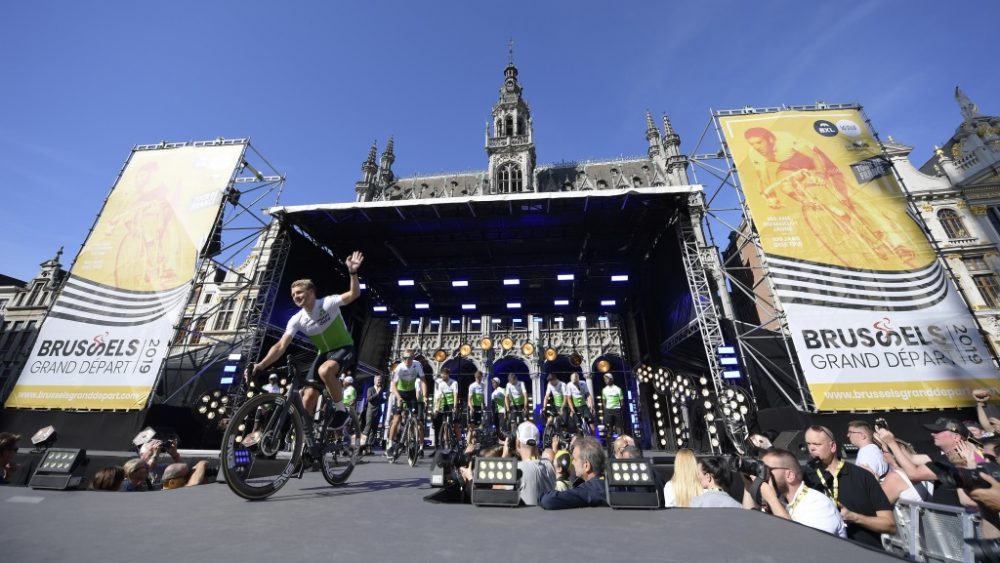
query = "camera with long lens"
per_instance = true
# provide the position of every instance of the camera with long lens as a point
(755, 468)
(985, 550)
(486, 437)
(963, 478)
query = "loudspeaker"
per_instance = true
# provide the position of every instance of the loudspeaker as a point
(793, 441)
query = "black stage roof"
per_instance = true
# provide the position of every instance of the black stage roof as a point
(532, 237)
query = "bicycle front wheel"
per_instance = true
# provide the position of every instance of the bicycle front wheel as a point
(412, 443)
(337, 457)
(273, 430)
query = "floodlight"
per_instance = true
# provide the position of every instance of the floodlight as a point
(507, 343)
(550, 354)
(560, 302)
(607, 302)
(44, 438)
(460, 283)
(421, 306)
(486, 343)
(464, 350)
(603, 366)
(235, 357)
(60, 469)
(619, 278)
(726, 350)
(558, 319)
(528, 349)
(405, 283)
(495, 482)
(468, 306)
(380, 308)
(565, 277)
(440, 355)
(512, 281)
(513, 305)
(631, 483)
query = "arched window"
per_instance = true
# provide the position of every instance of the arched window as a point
(521, 129)
(499, 128)
(952, 223)
(508, 126)
(509, 179)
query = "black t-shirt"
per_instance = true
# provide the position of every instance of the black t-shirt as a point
(944, 494)
(859, 491)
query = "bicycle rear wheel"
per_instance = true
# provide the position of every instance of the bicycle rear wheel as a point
(337, 458)
(257, 471)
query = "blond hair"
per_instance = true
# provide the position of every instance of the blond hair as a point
(306, 283)
(685, 480)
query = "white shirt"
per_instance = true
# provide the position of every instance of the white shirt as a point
(871, 456)
(515, 391)
(498, 395)
(816, 510)
(441, 389)
(409, 377)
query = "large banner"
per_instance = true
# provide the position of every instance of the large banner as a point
(109, 330)
(875, 320)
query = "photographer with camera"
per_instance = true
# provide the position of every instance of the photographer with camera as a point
(787, 496)
(538, 476)
(856, 491)
(588, 459)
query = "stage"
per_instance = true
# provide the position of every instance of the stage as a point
(381, 515)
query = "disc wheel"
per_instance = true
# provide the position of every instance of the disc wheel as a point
(258, 471)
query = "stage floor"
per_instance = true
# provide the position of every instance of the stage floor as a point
(381, 516)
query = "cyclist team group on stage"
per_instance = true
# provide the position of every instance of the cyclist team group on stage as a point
(568, 407)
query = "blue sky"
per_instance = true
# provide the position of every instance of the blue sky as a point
(313, 83)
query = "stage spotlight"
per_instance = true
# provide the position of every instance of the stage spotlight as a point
(208, 396)
(507, 343)
(495, 482)
(468, 306)
(527, 349)
(486, 343)
(440, 355)
(144, 436)
(464, 350)
(60, 469)
(550, 354)
(44, 438)
(630, 483)
(603, 366)
(575, 359)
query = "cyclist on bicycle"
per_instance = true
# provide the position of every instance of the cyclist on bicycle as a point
(408, 387)
(516, 401)
(477, 396)
(580, 397)
(445, 395)
(320, 319)
(563, 409)
(499, 399)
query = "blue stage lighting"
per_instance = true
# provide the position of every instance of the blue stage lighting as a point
(602, 318)
(607, 302)
(565, 277)
(731, 374)
(380, 308)
(558, 319)
(229, 369)
(727, 350)
(496, 321)
(226, 381)
(468, 306)
(512, 281)
(517, 320)
(394, 323)
(460, 283)
(726, 361)
(422, 306)
(363, 285)
(475, 321)
(620, 278)
(559, 302)
(405, 283)
(414, 322)
(235, 357)
(456, 321)
(513, 305)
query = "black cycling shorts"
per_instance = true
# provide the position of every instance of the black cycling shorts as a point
(345, 356)
(613, 419)
(476, 418)
(410, 400)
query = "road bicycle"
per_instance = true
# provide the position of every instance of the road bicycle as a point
(271, 438)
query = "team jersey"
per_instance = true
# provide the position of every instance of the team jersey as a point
(557, 391)
(498, 399)
(350, 395)
(516, 393)
(578, 393)
(324, 325)
(612, 395)
(476, 394)
(445, 393)
(406, 378)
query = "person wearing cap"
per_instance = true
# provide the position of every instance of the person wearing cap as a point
(863, 505)
(8, 450)
(588, 460)
(499, 399)
(272, 384)
(580, 397)
(476, 401)
(178, 475)
(538, 476)
(408, 388)
(562, 408)
(445, 396)
(321, 320)
(611, 394)
(951, 437)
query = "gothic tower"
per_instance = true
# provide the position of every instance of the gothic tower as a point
(510, 147)
(365, 188)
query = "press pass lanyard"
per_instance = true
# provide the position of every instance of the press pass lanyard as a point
(836, 481)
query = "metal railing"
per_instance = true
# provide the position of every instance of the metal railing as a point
(930, 532)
